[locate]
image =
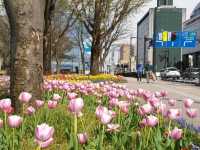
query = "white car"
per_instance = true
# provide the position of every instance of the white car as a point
(170, 72)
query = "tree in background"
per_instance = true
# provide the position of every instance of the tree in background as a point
(55, 9)
(80, 35)
(101, 19)
(26, 19)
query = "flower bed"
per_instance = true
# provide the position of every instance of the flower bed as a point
(93, 78)
(4, 84)
(95, 116)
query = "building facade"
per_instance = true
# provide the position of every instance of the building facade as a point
(165, 17)
(193, 24)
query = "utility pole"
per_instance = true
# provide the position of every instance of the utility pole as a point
(146, 39)
(199, 64)
(131, 51)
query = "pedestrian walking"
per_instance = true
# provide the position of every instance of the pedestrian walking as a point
(139, 69)
(149, 73)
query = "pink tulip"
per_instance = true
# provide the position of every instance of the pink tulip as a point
(44, 135)
(105, 118)
(113, 102)
(104, 114)
(14, 121)
(163, 93)
(65, 86)
(173, 113)
(140, 92)
(176, 133)
(147, 95)
(188, 103)
(76, 105)
(39, 103)
(154, 101)
(157, 94)
(5, 104)
(56, 97)
(162, 108)
(82, 138)
(52, 104)
(30, 110)
(124, 106)
(100, 110)
(113, 127)
(172, 102)
(1, 123)
(9, 111)
(146, 108)
(25, 97)
(72, 95)
(152, 121)
(192, 112)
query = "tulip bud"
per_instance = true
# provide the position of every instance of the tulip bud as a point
(188, 103)
(44, 135)
(30, 110)
(176, 133)
(25, 97)
(192, 112)
(152, 121)
(56, 97)
(14, 121)
(82, 138)
(39, 103)
(52, 104)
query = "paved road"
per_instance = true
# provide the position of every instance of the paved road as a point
(176, 90)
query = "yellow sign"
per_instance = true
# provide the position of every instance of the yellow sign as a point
(165, 36)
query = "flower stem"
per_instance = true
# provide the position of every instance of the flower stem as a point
(170, 122)
(13, 141)
(5, 121)
(119, 117)
(148, 136)
(75, 132)
(102, 137)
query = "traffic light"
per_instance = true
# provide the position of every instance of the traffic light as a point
(173, 36)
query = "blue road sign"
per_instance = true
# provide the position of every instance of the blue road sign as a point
(189, 39)
(182, 40)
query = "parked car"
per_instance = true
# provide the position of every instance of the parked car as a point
(170, 72)
(191, 73)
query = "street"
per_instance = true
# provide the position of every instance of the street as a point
(177, 91)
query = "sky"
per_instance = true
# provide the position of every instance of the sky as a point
(132, 20)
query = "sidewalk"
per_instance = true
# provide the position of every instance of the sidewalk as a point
(177, 91)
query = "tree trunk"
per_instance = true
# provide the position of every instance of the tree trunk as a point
(95, 56)
(58, 62)
(83, 64)
(10, 10)
(29, 53)
(47, 53)
(47, 38)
